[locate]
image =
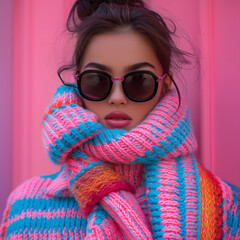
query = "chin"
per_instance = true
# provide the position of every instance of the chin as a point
(128, 128)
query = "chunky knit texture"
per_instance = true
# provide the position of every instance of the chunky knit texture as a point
(116, 184)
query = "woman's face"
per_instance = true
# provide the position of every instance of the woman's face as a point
(117, 51)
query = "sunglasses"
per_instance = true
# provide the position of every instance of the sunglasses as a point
(138, 86)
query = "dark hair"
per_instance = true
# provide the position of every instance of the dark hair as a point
(89, 18)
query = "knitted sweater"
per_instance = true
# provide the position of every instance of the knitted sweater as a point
(145, 183)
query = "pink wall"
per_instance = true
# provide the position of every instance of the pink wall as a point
(211, 90)
(38, 52)
(5, 100)
(220, 88)
(226, 90)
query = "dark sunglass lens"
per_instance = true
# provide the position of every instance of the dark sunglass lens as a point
(94, 85)
(139, 86)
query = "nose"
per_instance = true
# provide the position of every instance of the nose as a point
(117, 95)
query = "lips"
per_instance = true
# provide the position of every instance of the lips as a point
(118, 119)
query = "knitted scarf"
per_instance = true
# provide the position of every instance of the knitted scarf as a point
(145, 179)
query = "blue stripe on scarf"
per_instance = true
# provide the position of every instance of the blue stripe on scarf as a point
(182, 196)
(46, 223)
(197, 185)
(150, 181)
(25, 204)
(233, 219)
(53, 224)
(106, 136)
(160, 152)
(72, 137)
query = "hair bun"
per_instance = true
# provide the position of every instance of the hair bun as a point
(132, 3)
(88, 7)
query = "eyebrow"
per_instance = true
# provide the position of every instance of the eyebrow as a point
(128, 68)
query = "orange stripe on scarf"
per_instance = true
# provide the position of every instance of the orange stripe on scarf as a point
(211, 209)
(96, 183)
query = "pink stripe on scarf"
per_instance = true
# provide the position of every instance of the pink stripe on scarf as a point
(143, 139)
(47, 235)
(47, 214)
(192, 198)
(125, 210)
(168, 199)
(228, 198)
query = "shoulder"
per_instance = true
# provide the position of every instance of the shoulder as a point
(19, 200)
(34, 187)
(31, 208)
(220, 204)
(41, 193)
(231, 208)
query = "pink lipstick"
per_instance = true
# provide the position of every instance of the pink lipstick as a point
(117, 119)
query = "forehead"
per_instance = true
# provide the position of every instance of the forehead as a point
(118, 49)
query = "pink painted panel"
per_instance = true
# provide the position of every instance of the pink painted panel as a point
(206, 86)
(40, 48)
(227, 90)
(5, 101)
(214, 96)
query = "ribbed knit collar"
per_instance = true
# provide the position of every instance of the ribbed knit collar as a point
(165, 134)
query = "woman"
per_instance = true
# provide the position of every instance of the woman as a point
(124, 139)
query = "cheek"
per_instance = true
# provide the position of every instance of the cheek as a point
(159, 92)
(142, 111)
(89, 105)
(148, 106)
(97, 108)
(154, 101)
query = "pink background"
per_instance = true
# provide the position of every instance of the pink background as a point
(34, 46)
